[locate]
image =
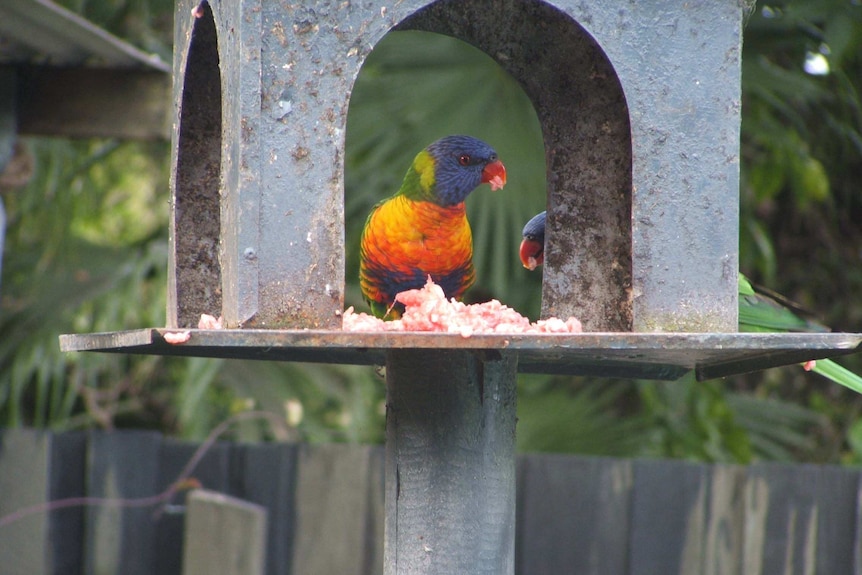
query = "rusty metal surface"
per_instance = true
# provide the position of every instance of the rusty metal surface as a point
(631, 355)
(239, 62)
(194, 271)
(679, 66)
(450, 463)
(682, 82)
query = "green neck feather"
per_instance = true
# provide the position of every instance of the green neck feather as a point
(418, 184)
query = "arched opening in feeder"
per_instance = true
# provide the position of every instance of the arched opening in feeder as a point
(588, 147)
(416, 87)
(195, 274)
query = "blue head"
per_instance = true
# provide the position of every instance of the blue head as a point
(459, 164)
(532, 250)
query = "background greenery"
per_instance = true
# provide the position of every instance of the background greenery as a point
(87, 241)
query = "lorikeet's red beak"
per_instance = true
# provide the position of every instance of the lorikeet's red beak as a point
(532, 254)
(495, 175)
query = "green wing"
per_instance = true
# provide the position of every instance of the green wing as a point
(839, 374)
(758, 313)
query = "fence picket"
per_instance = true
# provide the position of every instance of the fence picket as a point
(224, 535)
(333, 511)
(837, 520)
(573, 515)
(266, 475)
(121, 467)
(24, 480)
(723, 547)
(668, 517)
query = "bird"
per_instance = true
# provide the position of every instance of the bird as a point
(760, 310)
(422, 230)
(532, 250)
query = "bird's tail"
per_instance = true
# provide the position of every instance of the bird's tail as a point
(840, 375)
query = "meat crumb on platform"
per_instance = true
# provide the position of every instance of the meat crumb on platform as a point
(427, 309)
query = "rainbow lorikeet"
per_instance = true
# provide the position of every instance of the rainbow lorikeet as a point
(422, 230)
(758, 311)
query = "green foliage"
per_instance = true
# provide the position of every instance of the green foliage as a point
(706, 422)
(776, 430)
(694, 421)
(576, 415)
(802, 133)
(800, 204)
(685, 419)
(54, 280)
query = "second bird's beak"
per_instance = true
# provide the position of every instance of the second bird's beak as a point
(532, 254)
(494, 174)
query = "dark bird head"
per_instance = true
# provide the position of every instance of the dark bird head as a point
(533, 245)
(449, 169)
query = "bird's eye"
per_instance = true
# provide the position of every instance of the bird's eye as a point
(464, 159)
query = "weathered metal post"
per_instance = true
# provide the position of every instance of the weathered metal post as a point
(450, 462)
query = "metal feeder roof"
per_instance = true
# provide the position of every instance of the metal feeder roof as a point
(75, 79)
(41, 32)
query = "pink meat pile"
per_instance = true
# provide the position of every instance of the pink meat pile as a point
(427, 309)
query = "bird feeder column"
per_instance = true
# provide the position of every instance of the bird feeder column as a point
(257, 229)
(682, 80)
(450, 462)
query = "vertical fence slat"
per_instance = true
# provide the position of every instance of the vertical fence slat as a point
(121, 467)
(376, 516)
(332, 509)
(723, 546)
(266, 475)
(836, 494)
(573, 515)
(68, 480)
(781, 519)
(24, 480)
(213, 473)
(224, 535)
(668, 517)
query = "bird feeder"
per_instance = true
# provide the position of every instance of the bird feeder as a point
(640, 109)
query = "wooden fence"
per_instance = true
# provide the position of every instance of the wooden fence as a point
(324, 510)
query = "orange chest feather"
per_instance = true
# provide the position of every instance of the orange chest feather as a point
(419, 234)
